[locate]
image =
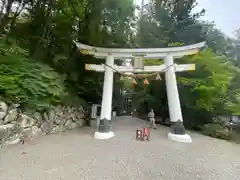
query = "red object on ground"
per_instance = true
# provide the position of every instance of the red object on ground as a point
(139, 134)
(146, 134)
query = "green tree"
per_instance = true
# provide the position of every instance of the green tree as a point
(47, 30)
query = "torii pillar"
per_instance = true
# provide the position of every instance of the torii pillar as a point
(104, 127)
(177, 132)
(177, 129)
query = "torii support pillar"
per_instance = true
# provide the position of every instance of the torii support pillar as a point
(104, 127)
(177, 128)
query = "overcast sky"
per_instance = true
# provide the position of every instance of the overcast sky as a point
(225, 13)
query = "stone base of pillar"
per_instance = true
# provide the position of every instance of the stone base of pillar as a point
(103, 135)
(104, 125)
(104, 130)
(177, 128)
(183, 138)
(178, 133)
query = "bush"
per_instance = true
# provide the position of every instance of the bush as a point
(217, 131)
(27, 82)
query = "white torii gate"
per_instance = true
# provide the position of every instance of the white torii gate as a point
(177, 129)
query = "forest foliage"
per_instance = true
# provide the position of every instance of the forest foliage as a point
(40, 65)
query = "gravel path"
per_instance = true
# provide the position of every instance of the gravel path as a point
(76, 155)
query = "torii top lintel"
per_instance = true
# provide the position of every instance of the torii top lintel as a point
(148, 53)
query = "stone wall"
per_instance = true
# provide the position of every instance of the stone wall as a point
(16, 126)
